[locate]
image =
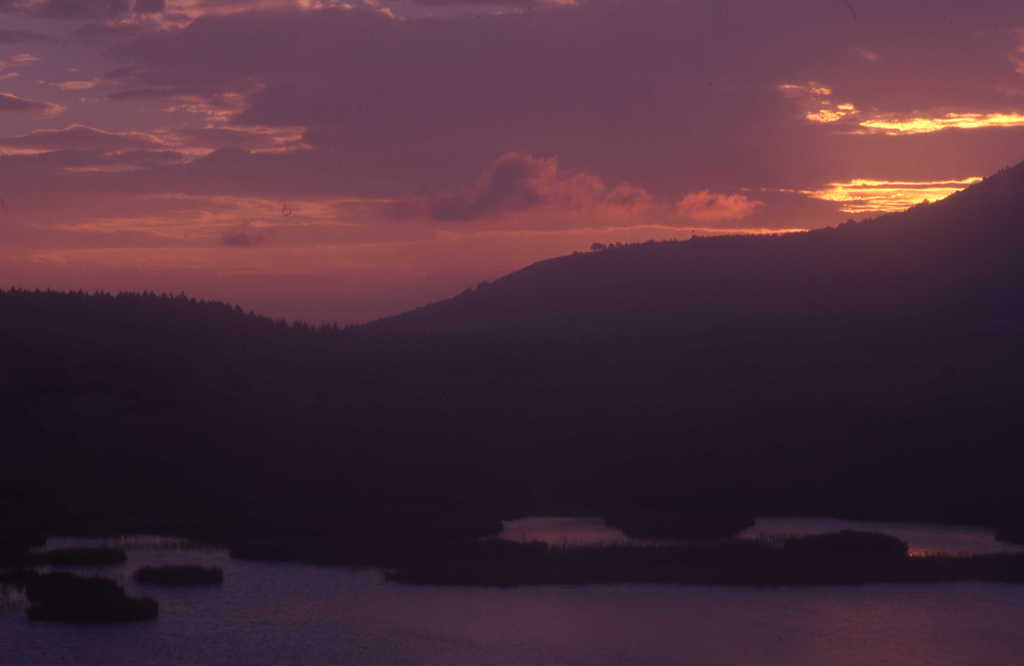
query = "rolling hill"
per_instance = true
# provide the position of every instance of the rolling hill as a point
(874, 370)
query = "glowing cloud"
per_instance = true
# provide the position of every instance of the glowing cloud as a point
(75, 85)
(895, 125)
(704, 206)
(863, 195)
(830, 114)
(809, 88)
(814, 98)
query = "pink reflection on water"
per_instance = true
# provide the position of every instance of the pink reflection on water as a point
(562, 531)
(922, 539)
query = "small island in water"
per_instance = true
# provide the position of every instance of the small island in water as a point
(65, 597)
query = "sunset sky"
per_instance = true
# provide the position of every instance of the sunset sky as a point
(340, 161)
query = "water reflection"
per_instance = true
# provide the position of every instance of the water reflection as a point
(271, 614)
(923, 539)
(563, 531)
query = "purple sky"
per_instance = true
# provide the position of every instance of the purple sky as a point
(346, 160)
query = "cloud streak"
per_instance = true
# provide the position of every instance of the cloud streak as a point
(865, 195)
(900, 125)
(19, 105)
(80, 137)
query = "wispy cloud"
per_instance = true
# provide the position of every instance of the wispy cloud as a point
(18, 60)
(82, 138)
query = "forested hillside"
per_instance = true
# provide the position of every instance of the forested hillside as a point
(874, 369)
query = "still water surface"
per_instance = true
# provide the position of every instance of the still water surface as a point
(921, 539)
(283, 614)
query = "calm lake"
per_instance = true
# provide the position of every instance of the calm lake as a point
(284, 614)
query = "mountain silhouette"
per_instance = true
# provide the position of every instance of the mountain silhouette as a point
(920, 304)
(869, 370)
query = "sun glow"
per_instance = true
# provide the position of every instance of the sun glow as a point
(894, 125)
(830, 114)
(814, 97)
(819, 108)
(864, 195)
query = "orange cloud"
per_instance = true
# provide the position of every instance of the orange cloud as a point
(705, 206)
(75, 85)
(625, 201)
(809, 88)
(829, 113)
(862, 195)
(80, 137)
(18, 60)
(254, 139)
(184, 11)
(814, 99)
(519, 182)
(896, 125)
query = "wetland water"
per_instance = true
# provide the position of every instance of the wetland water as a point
(271, 614)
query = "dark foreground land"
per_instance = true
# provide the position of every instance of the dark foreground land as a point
(847, 557)
(873, 370)
(841, 558)
(64, 597)
(834, 559)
